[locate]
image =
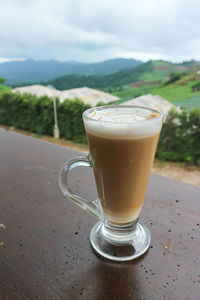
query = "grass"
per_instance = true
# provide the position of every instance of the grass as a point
(189, 103)
(160, 70)
(131, 93)
(153, 76)
(172, 93)
(125, 93)
(128, 94)
(175, 92)
(179, 93)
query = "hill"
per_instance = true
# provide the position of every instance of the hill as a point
(29, 71)
(150, 73)
(184, 91)
(180, 88)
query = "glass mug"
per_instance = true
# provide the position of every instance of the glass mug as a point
(122, 144)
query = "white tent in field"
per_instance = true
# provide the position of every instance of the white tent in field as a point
(88, 96)
(152, 101)
(38, 90)
(85, 94)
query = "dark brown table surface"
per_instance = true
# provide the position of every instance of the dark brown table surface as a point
(45, 251)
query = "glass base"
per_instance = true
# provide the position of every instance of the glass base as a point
(120, 244)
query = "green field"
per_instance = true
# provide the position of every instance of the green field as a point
(180, 91)
(172, 93)
(175, 92)
(130, 93)
(189, 103)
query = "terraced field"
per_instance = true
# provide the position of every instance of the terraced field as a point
(180, 92)
(189, 103)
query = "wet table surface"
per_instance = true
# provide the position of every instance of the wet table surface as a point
(44, 239)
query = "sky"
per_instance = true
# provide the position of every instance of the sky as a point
(96, 30)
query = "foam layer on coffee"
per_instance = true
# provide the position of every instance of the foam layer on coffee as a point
(123, 122)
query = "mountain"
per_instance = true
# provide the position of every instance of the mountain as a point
(28, 71)
(146, 72)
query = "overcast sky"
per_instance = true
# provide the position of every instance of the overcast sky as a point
(95, 30)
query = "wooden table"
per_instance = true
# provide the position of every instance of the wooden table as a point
(45, 251)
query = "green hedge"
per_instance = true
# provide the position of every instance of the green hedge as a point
(179, 141)
(34, 114)
(180, 138)
(70, 120)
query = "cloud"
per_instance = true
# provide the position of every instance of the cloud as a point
(94, 30)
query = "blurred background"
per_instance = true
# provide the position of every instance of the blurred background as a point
(58, 58)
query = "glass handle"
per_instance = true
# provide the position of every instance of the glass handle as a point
(92, 206)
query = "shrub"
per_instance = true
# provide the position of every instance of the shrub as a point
(2, 80)
(174, 77)
(196, 87)
(180, 138)
(179, 141)
(34, 114)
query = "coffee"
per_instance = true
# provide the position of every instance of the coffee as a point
(122, 144)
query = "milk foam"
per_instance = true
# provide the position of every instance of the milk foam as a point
(123, 122)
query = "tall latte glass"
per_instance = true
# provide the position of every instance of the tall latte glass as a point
(122, 144)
